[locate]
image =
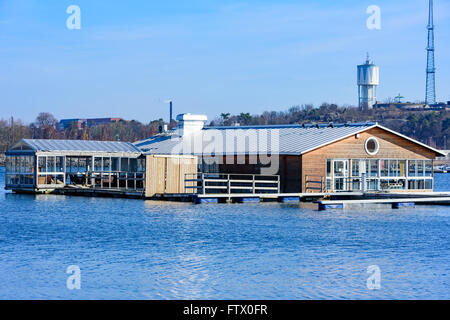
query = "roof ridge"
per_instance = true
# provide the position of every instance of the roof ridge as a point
(302, 126)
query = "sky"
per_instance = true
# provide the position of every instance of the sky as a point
(130, 57)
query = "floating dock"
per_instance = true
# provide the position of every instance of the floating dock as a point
(323, 200)
(395, 203)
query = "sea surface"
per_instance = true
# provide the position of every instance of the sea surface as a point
(134, 249)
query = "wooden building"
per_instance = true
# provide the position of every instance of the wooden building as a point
(281, 159)
(363, 157)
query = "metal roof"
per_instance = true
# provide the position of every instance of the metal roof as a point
(81, 146)
(277, 139)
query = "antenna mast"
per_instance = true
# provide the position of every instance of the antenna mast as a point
(430, 93)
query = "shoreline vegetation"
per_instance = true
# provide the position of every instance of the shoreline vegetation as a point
(430, 127)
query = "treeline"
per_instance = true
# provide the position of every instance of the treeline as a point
(46, 126)
(430, 127)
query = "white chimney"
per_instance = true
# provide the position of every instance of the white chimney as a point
(190, 123)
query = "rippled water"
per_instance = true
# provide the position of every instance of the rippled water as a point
(134, 249)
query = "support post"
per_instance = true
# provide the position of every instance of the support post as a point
(253, 184)
(203, 183)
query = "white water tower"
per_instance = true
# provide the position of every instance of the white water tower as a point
(368, 81)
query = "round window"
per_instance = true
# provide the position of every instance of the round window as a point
(372, 146)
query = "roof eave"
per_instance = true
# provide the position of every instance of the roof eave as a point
(438, 152)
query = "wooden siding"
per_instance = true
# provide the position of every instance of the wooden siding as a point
(391, 147)
(165, 174)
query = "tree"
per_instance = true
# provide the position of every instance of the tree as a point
(245, 118)
(47, 126)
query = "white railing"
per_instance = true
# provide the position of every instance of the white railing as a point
(229, 183)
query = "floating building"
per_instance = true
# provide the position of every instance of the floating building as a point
(270, 161)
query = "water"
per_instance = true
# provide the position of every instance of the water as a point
(134, 249)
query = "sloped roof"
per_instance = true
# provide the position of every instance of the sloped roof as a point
(80, 146)
(279, 139)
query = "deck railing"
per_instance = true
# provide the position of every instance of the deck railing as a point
(314, 183)
(229, 183)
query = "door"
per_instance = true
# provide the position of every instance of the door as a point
(340, 175)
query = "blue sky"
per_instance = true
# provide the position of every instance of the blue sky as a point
(209, 56)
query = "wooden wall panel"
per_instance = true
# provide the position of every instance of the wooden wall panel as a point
(187, 166)
(165, 174)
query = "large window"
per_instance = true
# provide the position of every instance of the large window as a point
(50, 171)
(20, 171)
(386, 174)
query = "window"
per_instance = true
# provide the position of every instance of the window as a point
(420, 184)
(124, 164)
(133, 165)
(50, 164)
(372, 168)
(393, 168)
(412, 168)
(385, 168)
(428, 168)
(42, 164)
(372, 146)
(402, 167)
(355, 168)
(59, 164)
(114, 164)
(8, 164)
(328, 168)
(97, 164)
(420, 168)
(82, 164)
(106, 164)
(141, 165)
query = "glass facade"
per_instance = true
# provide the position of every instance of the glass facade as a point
(20, 170)
(106, 172)
(380, 175)
(52, 171)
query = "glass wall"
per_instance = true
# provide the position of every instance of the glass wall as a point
(385, 174)
(46, 171)
(106, 172)
(50, 171)
(20, 171)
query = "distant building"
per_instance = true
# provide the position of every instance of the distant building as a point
(82, 123)
(412, 106)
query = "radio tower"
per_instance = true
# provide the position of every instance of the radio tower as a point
(430, 94)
